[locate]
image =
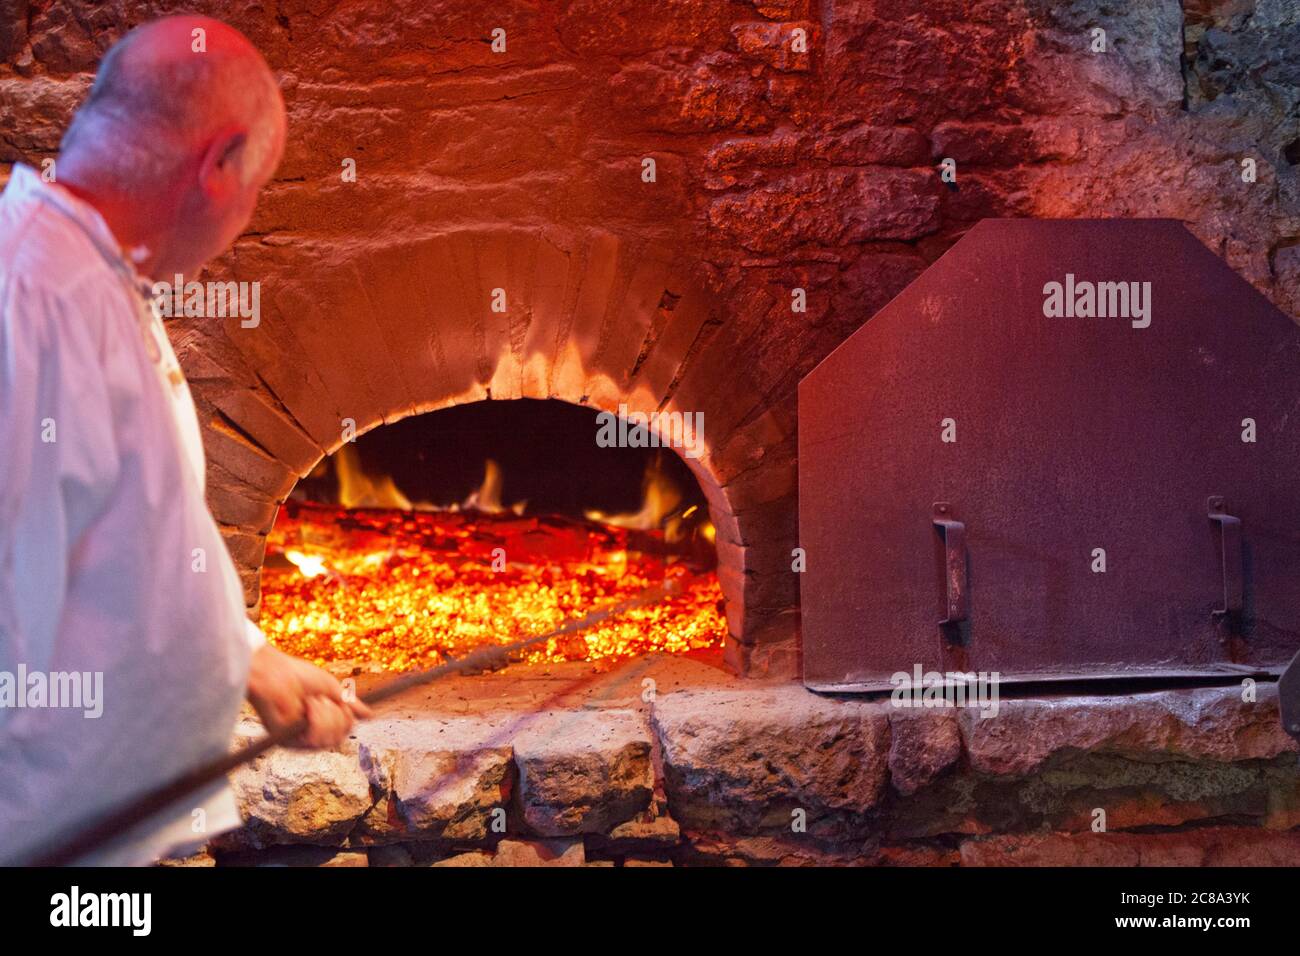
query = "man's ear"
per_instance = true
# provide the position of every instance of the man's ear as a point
(222, 167)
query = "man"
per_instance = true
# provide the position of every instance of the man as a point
(110, 563)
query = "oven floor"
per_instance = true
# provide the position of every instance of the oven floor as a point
(571, 685)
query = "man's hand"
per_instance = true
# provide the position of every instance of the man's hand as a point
(284, 689)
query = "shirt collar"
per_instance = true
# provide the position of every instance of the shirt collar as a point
(25, 184)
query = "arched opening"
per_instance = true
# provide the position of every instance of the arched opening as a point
(593, 318)
(487, 523)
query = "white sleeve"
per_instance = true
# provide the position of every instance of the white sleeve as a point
(255, 636)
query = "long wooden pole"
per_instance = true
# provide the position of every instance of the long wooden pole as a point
(90, 836)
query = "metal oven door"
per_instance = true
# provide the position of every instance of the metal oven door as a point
(994, 477)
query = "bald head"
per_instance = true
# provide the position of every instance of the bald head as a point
(169, 86)
(186, 112)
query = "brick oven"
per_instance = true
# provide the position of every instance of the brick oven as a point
(681, 210)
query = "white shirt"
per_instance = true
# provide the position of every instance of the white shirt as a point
(110, 561)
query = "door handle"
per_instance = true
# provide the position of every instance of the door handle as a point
(953, 533)
(1233, 586)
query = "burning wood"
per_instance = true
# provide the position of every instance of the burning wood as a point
(407, 589)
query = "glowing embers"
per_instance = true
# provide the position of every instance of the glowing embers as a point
(405, 589)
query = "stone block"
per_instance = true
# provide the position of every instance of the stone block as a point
(296, 796)
(749, 761)
(435, 778)
(583, 771)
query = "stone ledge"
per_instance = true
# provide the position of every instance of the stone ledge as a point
(774, 774)
(1205, 723)
(748, 760)
(451, 778)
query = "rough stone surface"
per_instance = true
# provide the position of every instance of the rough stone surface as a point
(713, 849)
(201, 859)
(767, 659)
(1211, 846)
(297, 856)
(475, 858)
(296, 796)
(539, 853)
(1212, 724)
(772, 774)
(754, 761)
(435, 778)
(658, 830)
(921, 747)
(583, 771)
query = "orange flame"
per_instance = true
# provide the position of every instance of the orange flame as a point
(660, 498)
(359, 490)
